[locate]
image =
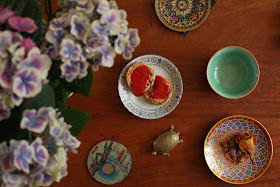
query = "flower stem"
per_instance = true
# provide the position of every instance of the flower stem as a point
(47, 10)
(50, 9)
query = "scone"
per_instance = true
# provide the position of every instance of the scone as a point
(140, 77)
(161, 93)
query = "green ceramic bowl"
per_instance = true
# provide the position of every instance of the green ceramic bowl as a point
(233, 72)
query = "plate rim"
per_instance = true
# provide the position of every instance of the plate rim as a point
(184, 30)
(176, 69)
(236, 117)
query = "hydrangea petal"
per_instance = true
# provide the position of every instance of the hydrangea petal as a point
(22, 24)
(33, 122)
(41, 154)
(5, 14)
(27, 82)
(23, 156)
(41, 63)
(79, 26)
(28, 44)
(69, 50)
(5, 43)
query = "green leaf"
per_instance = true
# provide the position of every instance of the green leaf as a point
(61, 97)
(9, 128)
(77, 118)
(45, 98)
(81, 86)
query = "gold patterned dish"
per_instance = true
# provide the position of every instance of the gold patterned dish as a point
(246, 171)
(182, 15)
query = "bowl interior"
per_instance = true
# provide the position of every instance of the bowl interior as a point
(233, 72)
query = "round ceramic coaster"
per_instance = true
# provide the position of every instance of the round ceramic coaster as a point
(138, 105)
(109, 162)
(238, 173)
(182, 15)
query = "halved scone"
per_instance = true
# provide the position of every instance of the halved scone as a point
(140, 77)
(161, 93)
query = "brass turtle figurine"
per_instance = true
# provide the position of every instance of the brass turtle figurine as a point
(166, 142)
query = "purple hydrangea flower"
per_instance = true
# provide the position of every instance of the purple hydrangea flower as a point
(28, 44)
(5, 14)
(79, 26)
(22, 24)
(33, 122)
(16, 99)
(87, 7)
(112, 20)
(41, 154)
(14, 180)
(69, 50)
(71, 142)
(103, 7)
(69, 70)
(8, 72)
(125, 43)
(58, 23)
(55, 37)
(27, 82)
(42, 63)
(100, 30)
(23, 156)
(5, 43)
(108, 55)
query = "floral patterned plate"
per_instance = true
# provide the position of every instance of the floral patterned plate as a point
(182, 15)
(138, 105)
(221, 167)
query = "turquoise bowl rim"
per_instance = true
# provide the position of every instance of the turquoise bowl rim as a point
(219, 93)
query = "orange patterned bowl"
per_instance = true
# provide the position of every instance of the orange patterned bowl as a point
(245, 172)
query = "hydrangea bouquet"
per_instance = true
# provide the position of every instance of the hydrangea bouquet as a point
(40, 65)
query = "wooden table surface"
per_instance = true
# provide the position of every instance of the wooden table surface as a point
(254, 25)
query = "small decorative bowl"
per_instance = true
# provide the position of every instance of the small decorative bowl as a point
(233, 72)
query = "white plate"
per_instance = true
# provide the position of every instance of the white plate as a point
(138, 105)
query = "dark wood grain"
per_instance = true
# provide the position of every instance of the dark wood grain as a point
(254, 25)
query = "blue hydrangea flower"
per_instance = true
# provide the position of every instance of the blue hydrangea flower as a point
(68, 4)
(71, 142)
(4, 111)
(6, 76)
(69, 70)
(16, 99)
(27, 82)
(112, 18)
(41, 154)
(69, 50)
(100, 30)
(33, 122)
(55, 37)
(87, 7)
(107, 59)
(79, 26)
(23, 156)
(126, 42)
(58, 23)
